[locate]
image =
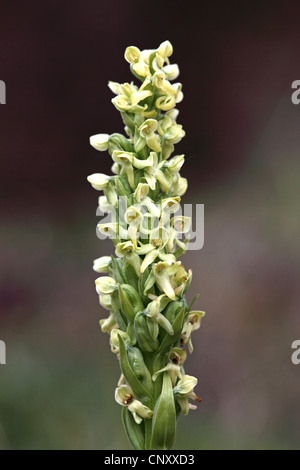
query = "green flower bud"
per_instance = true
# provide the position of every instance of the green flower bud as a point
(104, 205)
(105, 301)
(130, 301)
(99, 181)
(145, 340)
(120, 143)
(175, 134)
(175, 163)
(137, 364)
(105, 285)
(114, 87)
(180, 186)
(109, 323)
(115, 336)
(99, 141)
(171, 71)
(102, 265)
(165, 49)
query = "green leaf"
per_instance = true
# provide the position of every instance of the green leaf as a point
(135, 432)
(193, 301)
(138, 389)
(168, 340)
(122, 321)
(164, 418)
(130, 275)
(118, 274)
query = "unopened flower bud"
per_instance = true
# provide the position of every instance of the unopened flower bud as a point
(99, 141)
(171, 71)
(99, 181)
(105, 285)
(165, 49)
(102, 265)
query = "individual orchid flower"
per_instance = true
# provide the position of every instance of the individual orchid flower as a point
(184, 390)
(129, 99)
(177, 357)
(115, 335)
(133, 217)
(163, 272)
(139, 66)
(180, 185)
(104, 205)
(127, 250)
(155, 249)
(192, 323)
(153, 173)
(109, 229)
(159, 81)
(124, 396)
(147, 132)
(153, 312)
(108, 324)
(124, 159)
(181, 281)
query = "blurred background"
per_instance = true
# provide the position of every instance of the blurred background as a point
(238, 61)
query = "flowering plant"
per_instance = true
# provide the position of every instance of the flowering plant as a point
(145, 287)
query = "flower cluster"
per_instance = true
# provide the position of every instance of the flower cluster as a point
(145, 284)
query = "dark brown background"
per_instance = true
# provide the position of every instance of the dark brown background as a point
(237, 61)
